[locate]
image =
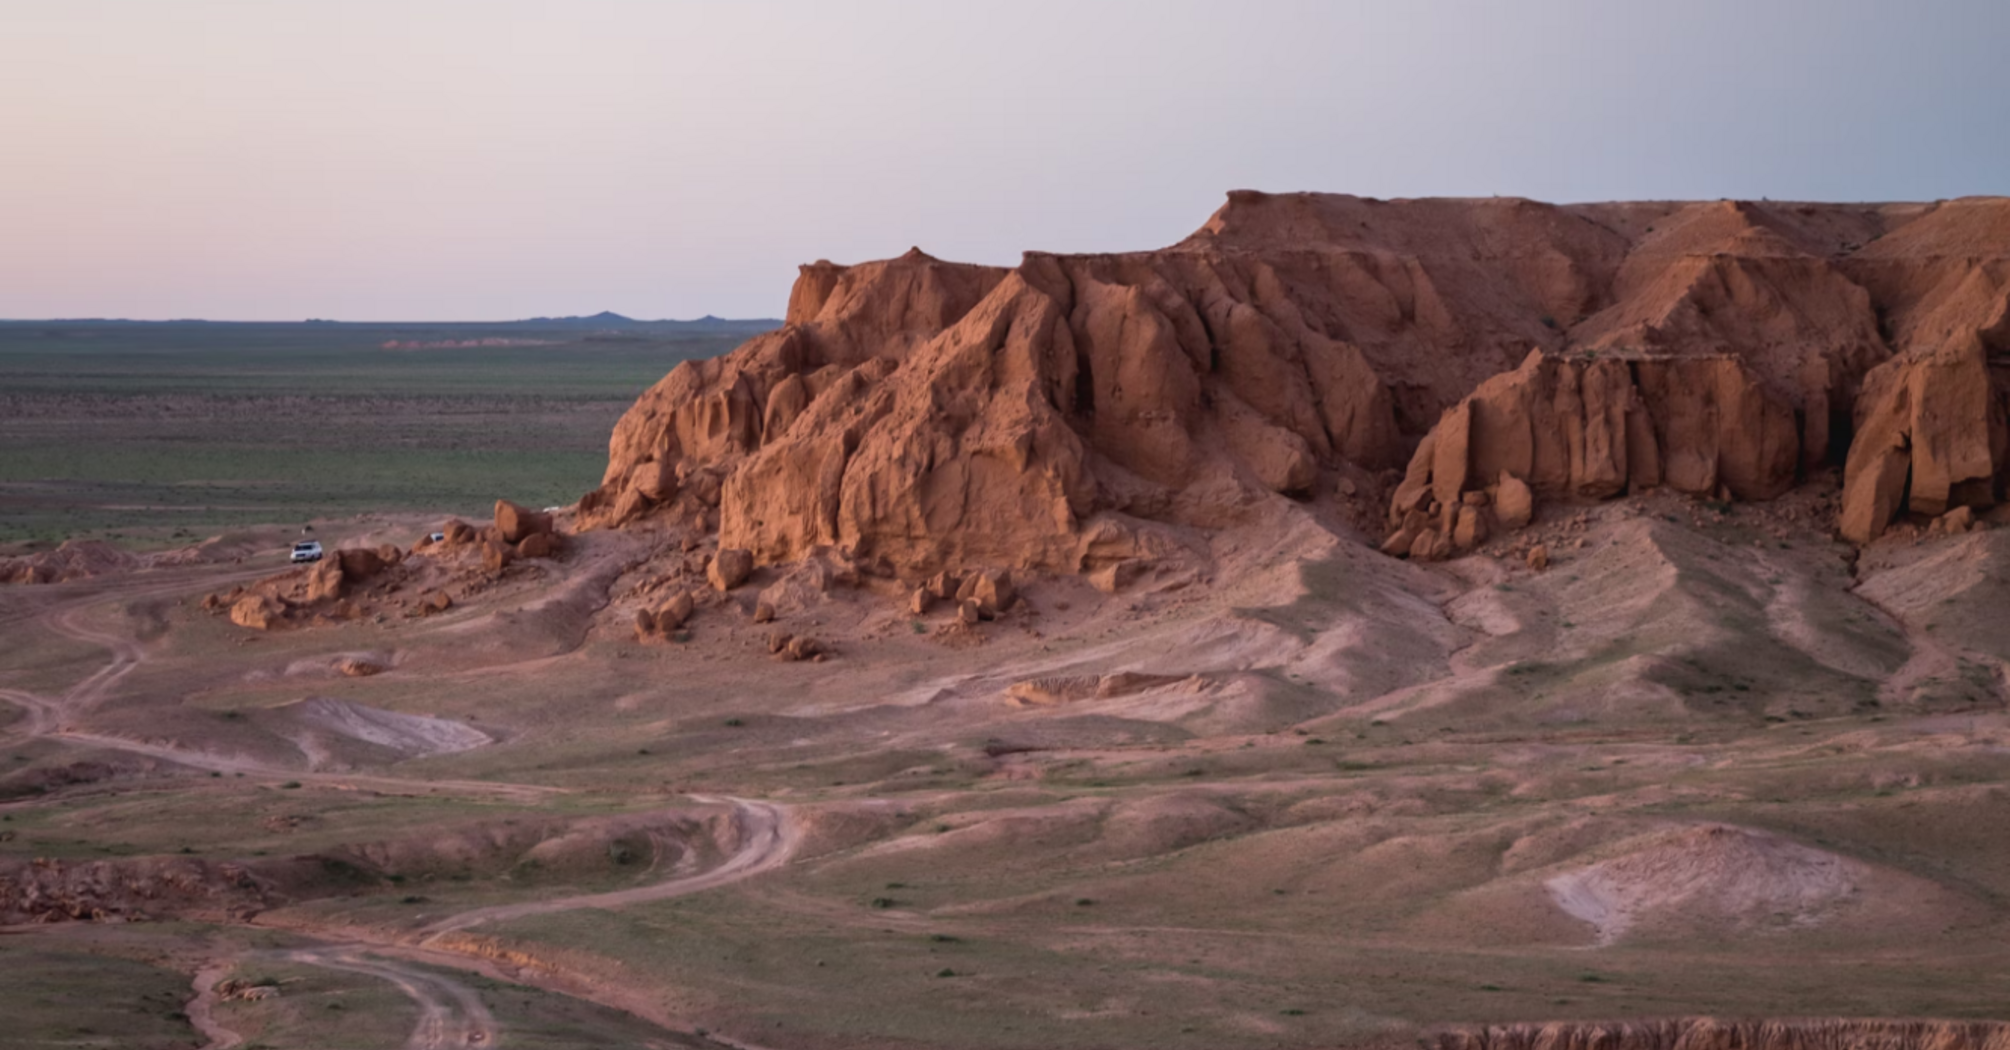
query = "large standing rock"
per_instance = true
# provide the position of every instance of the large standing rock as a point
(496, 555)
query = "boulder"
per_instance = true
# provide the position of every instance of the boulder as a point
(258, 612)
(323, 582)
(1538, 557)
(763, 612)
(496, 555)
(730, 568)
(1514, 504)
(675, 613)
(919, 601)
(1471, 529)
(802, 647)
(944, 585)
(515, 522)
(537, 545)
(991, 589)
(358, 667)
(1956, 521)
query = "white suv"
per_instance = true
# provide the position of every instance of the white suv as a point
(307, 550)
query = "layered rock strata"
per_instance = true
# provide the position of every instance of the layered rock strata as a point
(1088, 412)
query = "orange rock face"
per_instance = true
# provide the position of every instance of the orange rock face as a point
(1593, 428)
(1062, 414)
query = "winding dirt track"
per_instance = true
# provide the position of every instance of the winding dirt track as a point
(449, 1014)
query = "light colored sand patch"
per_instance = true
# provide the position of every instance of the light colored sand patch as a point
(1727, 876)
(414, 736)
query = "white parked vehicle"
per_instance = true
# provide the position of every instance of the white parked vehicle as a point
(307, 550)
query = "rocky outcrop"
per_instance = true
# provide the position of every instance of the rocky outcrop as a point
(1931, 424)
(1592, 427)
(74, 560)
(1065, 414)
(1933, 436)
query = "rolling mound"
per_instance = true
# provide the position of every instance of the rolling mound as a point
(1079, 412)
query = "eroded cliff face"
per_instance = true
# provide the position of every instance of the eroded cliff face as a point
(1078, 411)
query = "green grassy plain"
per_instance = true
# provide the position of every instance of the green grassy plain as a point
(153, 434)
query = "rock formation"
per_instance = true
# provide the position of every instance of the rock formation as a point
(1083, 413)
(1932, 430)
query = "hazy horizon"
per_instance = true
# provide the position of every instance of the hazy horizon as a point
(233, 160)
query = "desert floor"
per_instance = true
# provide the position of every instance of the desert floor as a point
(1708, 762)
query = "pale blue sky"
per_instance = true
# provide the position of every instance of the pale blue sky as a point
(441, 159)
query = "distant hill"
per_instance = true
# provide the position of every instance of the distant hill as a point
(608, 319)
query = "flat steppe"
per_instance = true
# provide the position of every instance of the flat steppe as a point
(155, 434)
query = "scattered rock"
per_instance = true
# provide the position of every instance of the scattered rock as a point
(802, 647)
(763, 612)
(1538, 557)
(676, 612)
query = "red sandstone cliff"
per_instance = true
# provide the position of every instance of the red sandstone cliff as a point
(1079, 410)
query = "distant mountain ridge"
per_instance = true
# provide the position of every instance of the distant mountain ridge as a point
(605, 319)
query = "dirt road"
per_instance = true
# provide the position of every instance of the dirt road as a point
(449, 1014)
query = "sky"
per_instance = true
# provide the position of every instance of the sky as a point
(495, 159)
